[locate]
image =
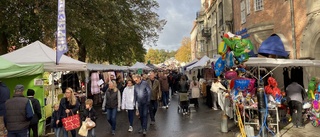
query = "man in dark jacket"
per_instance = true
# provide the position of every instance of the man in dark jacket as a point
(4, 96)
(37, 113)
(296, 96)
(155, 96)
(19, 112)
(142, 95)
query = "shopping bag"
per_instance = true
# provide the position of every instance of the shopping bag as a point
(195, 92)
(90, 124)
(83, 131)
(71, 122)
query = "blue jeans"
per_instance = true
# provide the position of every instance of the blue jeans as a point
(153, 109)
(57, 131)
(143, 111)
(91, 133)
(65, 133)
(112, 117)
(130, 116)
(19, 133)
(165, 98)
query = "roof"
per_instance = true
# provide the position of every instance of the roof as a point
(11, 70)
(38, 52)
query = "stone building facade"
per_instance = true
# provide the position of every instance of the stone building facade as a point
(213, 18)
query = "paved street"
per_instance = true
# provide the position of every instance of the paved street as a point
(204, 123)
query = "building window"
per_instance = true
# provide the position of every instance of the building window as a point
(248, 6)
(201, 25)
(220, 14)
(202, 46)
(243, 11)
(258, 5)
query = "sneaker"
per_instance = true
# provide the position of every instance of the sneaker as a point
(130, 129)
(167, 107)
(152, 122)
(163, 106)
(105, 113)
(215, 109)
(183, 113)
(144, 132)
(140, 131)
(113, 132)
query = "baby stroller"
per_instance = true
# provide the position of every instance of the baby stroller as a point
(184, 102)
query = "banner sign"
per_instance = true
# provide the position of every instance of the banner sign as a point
(61, 31)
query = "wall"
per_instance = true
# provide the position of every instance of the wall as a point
(274, 18)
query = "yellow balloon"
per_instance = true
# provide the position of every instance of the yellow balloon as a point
(312, 94)
(222, 48)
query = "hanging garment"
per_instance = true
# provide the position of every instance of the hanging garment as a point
(299, 71)
(286, 79)
(70, 80)
(95, 89)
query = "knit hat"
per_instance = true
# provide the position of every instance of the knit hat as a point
(30, 92)
(19, 88)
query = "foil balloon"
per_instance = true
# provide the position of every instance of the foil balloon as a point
(229, 59)
(315, 105)
(222, 49)
(311, 88)
(241, 85)
(230, 75)
(219, 66)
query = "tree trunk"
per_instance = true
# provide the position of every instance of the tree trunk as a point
(3, 44)
(82, 52)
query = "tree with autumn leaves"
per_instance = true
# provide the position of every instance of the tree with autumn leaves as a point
(184, 52)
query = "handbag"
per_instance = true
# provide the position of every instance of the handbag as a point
(83, 131)
(71, 122)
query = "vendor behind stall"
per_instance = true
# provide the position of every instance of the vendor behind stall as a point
(296, 95)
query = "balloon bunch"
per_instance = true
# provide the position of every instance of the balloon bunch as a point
(233, 50)
(314, 95)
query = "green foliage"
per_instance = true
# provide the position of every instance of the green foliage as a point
(98, 31)
(184, 52)
(157, 56)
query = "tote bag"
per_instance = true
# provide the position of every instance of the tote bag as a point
(71, 122)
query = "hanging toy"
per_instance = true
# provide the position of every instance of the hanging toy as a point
(272, 88)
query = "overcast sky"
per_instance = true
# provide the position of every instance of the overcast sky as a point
(180, 15)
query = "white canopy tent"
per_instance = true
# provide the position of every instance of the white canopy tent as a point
(139, 65)
(201, 63)
(105, 67)
(271, 62)
(38, 52)
(281, 63)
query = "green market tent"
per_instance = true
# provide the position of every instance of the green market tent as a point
(12, 74)
(11, 70)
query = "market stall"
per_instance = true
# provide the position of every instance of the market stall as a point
(38, 52)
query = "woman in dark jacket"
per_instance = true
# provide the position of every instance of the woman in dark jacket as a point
(69, 105)
(112, 103)
(56, 123)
